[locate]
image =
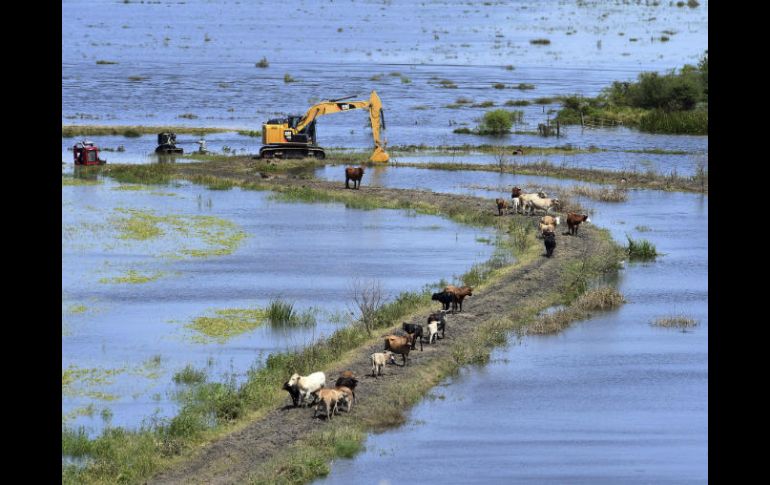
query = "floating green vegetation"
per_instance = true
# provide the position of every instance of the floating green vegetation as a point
(77, 309)
(130, 187)
(220, 237)
(446, 83)
(288, 79)
(539, 41)
(642, 249)
(251, 133)
(517, 102)
(67, 181)
(643, 228)
(79, 411)
(134, 277)
(228, 323)
(262, 63)
(105, 62)
(189, 116)
(137, 78)
(138, 225)
(74, 378)
(675, 321)
(524, 86)
(405, 80)
(498, 86)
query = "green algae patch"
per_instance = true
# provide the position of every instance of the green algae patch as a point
(77, 309)
(228, 323)
(219, 237)
(138, 225)
(74, 378)
(130, 187)
(222, 236)
(134, 277)
(68, 181)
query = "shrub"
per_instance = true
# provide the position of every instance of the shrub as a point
(496, 122)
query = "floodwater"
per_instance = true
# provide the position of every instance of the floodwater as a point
(610, 400)
(309, 254)
(167, 73)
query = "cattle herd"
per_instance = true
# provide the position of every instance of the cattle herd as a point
(311, 389)
(522, 203)
(331, 400)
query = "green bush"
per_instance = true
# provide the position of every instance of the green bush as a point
(498, 122)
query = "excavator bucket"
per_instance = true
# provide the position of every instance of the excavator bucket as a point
(379, 155)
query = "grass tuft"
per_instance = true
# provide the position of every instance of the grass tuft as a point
(640, 250)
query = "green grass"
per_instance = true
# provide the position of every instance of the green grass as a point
(189, 375)
(678, 122)
(70, 181)
(599, 299)
(649, 179)
(70, 131)
(281, 314)
(640, 250)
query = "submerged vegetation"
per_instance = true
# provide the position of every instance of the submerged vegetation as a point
(675, 321)
(641, 249)
(228, 323)
(675, 102)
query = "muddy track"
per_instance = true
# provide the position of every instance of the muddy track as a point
(232, 458)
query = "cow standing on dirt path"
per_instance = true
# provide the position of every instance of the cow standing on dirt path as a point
(355, 174)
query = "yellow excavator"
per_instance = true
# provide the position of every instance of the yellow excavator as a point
(294, 136)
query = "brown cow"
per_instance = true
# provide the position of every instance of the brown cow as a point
(355, 174)
(574, 220)
(502, 205)
(459, 294)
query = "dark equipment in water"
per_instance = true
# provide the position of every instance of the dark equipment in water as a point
(167, 143)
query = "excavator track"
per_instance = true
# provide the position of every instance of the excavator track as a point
(288, 151)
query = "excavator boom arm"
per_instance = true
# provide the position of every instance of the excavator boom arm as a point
(375, 116)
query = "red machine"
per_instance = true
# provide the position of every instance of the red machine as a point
(86, 153)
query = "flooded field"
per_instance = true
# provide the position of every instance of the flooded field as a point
(148, 270)
(130, 294)
(610, 400)
(162, 67)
